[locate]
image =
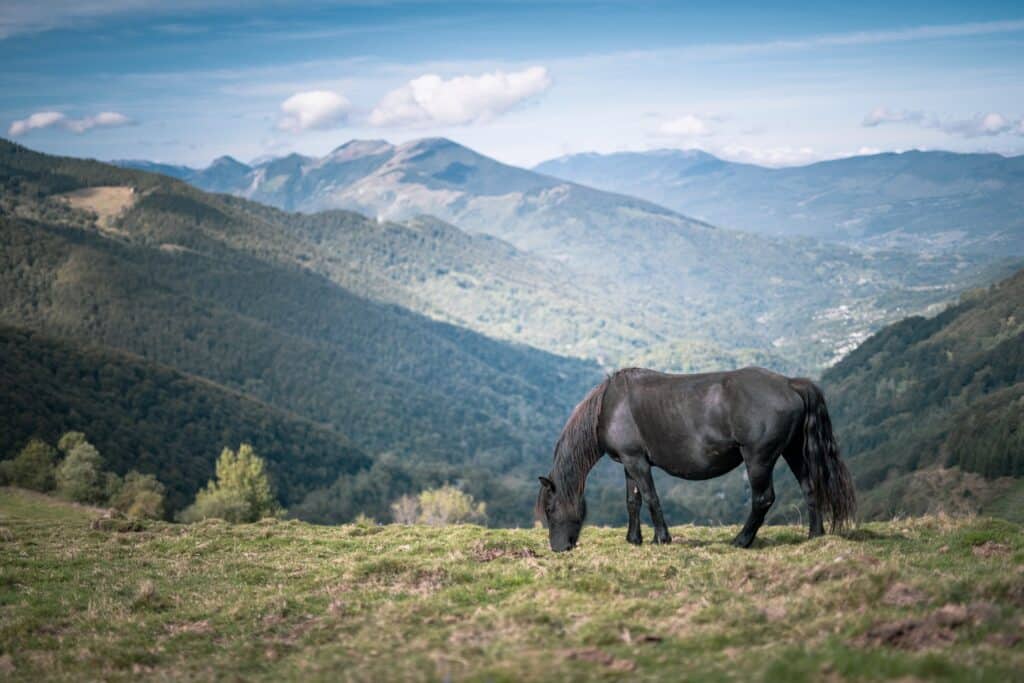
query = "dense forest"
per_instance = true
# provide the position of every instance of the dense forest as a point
(145, 416)
(936, 391)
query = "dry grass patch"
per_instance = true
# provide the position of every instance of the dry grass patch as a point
(106, 201)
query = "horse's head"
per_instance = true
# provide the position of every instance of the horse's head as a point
(563, 515)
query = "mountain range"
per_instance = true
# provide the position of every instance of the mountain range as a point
(656, 283)
(938, 202)
(370, 357)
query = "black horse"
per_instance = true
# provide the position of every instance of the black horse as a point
(697, 427)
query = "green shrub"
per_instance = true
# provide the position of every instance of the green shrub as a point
(80, 475)
(68, 442)
(241, 492)
(32, 468)
(140, 495)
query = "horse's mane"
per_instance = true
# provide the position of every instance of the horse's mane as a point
(578, 448)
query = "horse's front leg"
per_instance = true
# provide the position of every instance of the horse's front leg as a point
(639, 469)
(633, 500)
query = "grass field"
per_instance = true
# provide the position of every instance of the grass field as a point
(929, 598)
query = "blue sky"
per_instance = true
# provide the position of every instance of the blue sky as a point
(777, 84)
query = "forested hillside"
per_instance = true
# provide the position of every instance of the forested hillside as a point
(149, 417)
(935, 391)
(161, 279)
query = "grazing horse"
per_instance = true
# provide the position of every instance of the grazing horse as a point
(697, 427)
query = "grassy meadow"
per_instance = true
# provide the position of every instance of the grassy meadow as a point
(83, 596)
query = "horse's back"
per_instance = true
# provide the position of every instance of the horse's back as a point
(693, 425)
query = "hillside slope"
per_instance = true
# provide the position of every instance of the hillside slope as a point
(937, 391)
(935, 201)
(165, 280)
(289, 601)
(148, 417)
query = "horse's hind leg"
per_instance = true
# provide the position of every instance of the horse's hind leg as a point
(762, 495)
(639, 469)
(633, 500)
(795, 458)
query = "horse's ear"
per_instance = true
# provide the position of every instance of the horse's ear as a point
(548, 484)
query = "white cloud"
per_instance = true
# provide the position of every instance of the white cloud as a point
(105, 119)
(685, 126)
(313, 110)
(41, 119)
(881, 115)
(982, 125)
(51, 119)
(979, 125)
(462, 100)
(769, 156)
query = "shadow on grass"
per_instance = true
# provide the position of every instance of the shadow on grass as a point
(861, 535)
(778, 540)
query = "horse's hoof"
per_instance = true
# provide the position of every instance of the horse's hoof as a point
(741, 542)
(635, 540)
(663, 539)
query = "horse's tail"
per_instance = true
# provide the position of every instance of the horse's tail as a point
(831, 481)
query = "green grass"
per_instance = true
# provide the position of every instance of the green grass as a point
(283, 600)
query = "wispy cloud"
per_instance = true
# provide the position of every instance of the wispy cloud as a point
(980, 125)
(883, 115)
(928, 32)
(783, 155)
(431, 99)
(33, 16)
(56, 119)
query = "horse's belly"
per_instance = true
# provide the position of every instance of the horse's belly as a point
(702, 463)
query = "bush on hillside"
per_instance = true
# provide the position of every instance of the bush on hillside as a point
(140, 495)
(67, 443)
(80, 476)
(438, 507)
(241, 492)
(33, 468)
(405, 510)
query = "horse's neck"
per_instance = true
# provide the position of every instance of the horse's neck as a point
(570, 471)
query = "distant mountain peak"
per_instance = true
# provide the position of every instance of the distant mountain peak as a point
(227, 161)
(356, 149)
(431, 143)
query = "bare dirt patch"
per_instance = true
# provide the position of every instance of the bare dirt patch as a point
(483, 553)
(903, 595)
(937, 629)
(201, 627)
(106, 201)
(598, 656)
(991, 549)
(840, 568)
